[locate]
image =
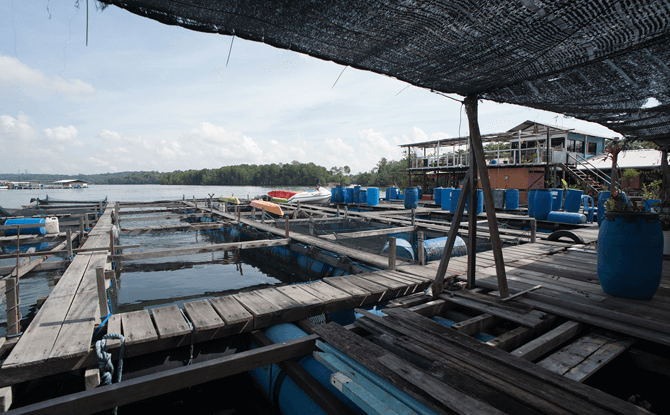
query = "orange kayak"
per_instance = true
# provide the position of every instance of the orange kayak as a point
(270, 207)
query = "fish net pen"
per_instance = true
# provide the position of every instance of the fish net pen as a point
(340, 229)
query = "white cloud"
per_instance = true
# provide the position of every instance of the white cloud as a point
(35, 83)
(63, 136)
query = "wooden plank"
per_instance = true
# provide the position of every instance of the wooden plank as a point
(574, 354)
(363, 292)
(453, 399)
(362, 234)
(202, 249)
(548, 341)
(114, 327)
(170, 322)
(236, 317)
(528, 319)
(476, 324)
(563, 392)
(138, 327)
(132, 390)
(202, 315)
(597, 360)
(265, 313)
(333, 298)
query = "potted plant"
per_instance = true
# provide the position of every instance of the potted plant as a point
(630, 248)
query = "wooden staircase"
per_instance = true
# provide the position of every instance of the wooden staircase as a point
(589, 175)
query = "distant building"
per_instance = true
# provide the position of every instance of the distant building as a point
(529, 156)
(71, 183)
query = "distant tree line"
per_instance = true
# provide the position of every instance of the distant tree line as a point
(292, 174)
(385, 173)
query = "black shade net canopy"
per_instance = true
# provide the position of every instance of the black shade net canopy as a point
(603, 61)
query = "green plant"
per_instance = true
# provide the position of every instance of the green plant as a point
(616, 203)
(652, 190)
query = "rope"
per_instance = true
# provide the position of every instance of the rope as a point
(105, 359)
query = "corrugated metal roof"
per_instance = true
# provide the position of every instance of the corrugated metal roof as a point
(629, 159)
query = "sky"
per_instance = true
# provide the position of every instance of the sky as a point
(146, 96)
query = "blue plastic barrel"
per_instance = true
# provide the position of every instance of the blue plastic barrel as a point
(357, 194)
(542, 204)
(437, 196)
(373, 196)
(363, 196)
(291, 399)
(403, 249)
(34, 231)
(557, 199)
(630, 254)
(573, 200)
(480, 202)
(392, 193)
(512, 199)
(411, 198)
(340, 194)
(349, 195)
(446, 198)
(333, 194)
(455, 195)
(566, 217)
(433, 248)
(313, 265)
(531, 202)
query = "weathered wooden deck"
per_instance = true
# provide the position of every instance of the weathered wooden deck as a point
(557, 315)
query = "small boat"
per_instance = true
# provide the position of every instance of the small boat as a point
(279, 200)
(232, 200)
(282, 194)
(269, 207)
(319, 196)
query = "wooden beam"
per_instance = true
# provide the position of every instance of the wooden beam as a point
(476, 148)
(363, 234)
(6, 398)
(548, 341)
(231, 246)
(64, 251)
(438, 285)
(92, 378)
(118, 394)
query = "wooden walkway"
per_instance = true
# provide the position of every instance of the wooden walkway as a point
(64, 326)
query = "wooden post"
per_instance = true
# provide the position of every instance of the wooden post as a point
(225, 207)
(69, 243)
(239, 215)
(298, 205)
(472, 223)
(88, 226)
(413, 217)
(392, 253)
(100, 208)
(81, 227)
(286, 219)
(338, 210)
(13, 312)
(262, 215)
(183, 197)
(253, 213)
(422, 254)
(211, 204)
(311, 226)
(102, 292)
(346, 212)
(533, 229)
(478, 150)
(453, 232)
(111, 241)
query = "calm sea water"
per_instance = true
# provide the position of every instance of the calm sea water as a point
(161, 281)
(133, 193)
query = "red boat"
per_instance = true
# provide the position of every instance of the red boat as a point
(284, 194)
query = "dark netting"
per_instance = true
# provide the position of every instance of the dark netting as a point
(597, 60)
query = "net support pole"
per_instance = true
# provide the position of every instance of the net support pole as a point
(477, 149)
(472, 223)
